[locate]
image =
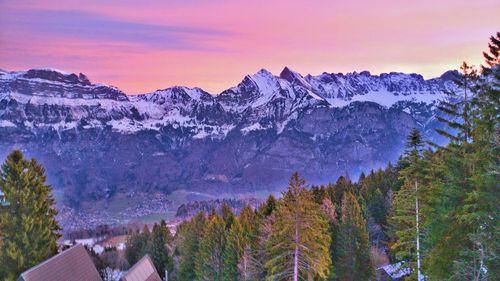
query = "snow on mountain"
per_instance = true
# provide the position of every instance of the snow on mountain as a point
(385, 89)
(175, 95)
(249, 137)
(260, 101)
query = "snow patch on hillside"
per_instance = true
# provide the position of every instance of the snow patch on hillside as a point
(387, 99)
(275, 99)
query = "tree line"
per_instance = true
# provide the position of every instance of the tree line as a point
(308, 234)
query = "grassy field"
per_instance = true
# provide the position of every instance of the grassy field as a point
(121, 201)
(152, 218)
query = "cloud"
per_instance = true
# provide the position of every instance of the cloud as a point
(102, 29)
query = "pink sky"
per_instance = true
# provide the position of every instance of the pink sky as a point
(141, 46)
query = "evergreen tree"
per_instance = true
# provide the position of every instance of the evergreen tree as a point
(210, 259)
(241, 261)
(268, 207)
(491, 58)
(166, 232)
(227, 216)
(299, 242)
(405, 221)
(330, 212)
(158, 248)
(188, 237)
(318, 193)
(371, 190)
(353, 258)
(463, 213)
(28, 226)
(137, 245)
(233, 253)
(478, 212)
(447, 234)
(481, 205)
(458, 107)
(337, 191)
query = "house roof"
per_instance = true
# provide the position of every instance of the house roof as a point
(395, 271)
(73, 264)
(143, 270)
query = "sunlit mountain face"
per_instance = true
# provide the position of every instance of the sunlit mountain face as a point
(247, 138)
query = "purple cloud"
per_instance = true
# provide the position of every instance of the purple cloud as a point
(99, 28)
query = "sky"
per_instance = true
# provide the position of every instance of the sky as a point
(141, 46)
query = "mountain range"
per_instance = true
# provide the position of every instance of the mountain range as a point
(96, 141)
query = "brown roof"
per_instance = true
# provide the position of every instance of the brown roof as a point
(143, 270)
(73, 264)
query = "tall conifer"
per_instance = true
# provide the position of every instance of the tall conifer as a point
(353, 247)
(158, 248)
(28, 227)
(298, 245)
(463, 216)
(210, 258)
(188, 238)
(406, 220)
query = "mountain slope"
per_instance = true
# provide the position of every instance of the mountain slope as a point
(97, 141)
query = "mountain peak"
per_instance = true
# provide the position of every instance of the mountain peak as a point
(263, 72)
(289, 74)
(294, 77)
(450, 75)
(55, 75)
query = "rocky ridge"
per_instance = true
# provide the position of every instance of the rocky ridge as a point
(249, 137)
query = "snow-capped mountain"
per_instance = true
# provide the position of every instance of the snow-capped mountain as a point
(250, 136)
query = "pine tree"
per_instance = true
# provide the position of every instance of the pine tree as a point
(268, 207)
(233, 253)
(371, 190)
(330, 212)
(318, 193)
(337, 191)
(166, 232)
(227, 216)
(447, 234)
(478, 257)
(481, 205)
(491, 58)
(299, 242)
(353, 257)
(188, 237)
(463, 213)
(241, 261)
(137, 245)
(28, 227)
(249, 264)
(406, 224)
(458, 107)
(210, 259)
(158, 248)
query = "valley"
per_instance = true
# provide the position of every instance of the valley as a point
(113, 158)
